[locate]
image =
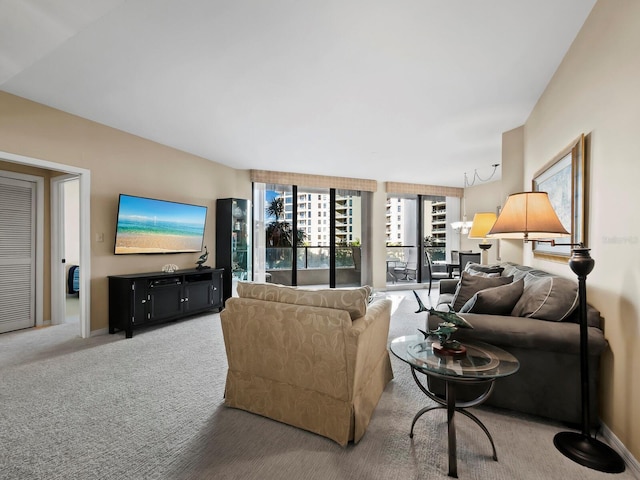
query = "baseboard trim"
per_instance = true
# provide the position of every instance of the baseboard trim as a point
(615, 443)
(101, 331)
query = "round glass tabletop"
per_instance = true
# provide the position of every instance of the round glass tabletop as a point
(481, 361)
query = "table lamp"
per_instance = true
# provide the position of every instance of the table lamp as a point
(482, 223)
(530, 216)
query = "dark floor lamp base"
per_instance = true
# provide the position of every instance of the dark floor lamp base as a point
(589, 452)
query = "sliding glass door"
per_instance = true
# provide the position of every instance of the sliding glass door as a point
(320, 228)
(402, 262)
(274, 234)
(418, 227)
(314, 251)
(436, 234)
(348, 236)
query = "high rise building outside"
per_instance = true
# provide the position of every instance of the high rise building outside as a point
(314, 215)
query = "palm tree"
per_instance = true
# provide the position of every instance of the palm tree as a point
(279, 230)
(280, 234)
(276, 208)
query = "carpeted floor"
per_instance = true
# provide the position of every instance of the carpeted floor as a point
(151, 407)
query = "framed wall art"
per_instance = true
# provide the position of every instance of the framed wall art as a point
(563, 178)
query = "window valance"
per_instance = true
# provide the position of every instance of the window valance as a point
(318, 181)
(418, 189)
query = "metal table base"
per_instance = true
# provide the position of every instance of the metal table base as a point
(449, 403)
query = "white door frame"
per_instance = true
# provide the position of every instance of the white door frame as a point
(85, 233)
(58, 269)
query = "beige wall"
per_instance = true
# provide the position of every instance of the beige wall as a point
(119, 162)
(487, 197)
(484, 197)
(595, 92)
(512, 182)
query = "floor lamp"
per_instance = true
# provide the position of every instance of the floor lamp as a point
(482, 223)
(530, 216)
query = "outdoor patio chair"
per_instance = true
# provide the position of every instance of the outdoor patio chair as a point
(407, 270)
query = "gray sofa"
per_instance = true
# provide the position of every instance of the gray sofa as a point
(536, 320)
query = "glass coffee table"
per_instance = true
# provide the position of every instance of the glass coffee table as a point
(482, 364)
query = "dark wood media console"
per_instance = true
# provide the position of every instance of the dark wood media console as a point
(146, 298)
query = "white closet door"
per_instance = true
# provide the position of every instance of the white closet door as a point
(17, 254)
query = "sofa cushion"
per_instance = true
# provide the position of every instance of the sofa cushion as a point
(444, 300)
(594, 318)
(353, 300)
(496, 300)
(484, 270)
(517, 271)
(470, 284)
(547, 298)
(530, 334)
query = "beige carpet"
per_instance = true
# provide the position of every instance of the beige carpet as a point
(151, 407)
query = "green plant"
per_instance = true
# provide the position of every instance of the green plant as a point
(280, 232)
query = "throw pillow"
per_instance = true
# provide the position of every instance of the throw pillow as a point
(547, 298)
(496, 300)
(470, 284)
(477, 268)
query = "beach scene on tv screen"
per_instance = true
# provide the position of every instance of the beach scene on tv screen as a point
(155, 226)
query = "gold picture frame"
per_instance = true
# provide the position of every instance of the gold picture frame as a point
(563, 178)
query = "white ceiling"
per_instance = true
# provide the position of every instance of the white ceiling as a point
(413, 91)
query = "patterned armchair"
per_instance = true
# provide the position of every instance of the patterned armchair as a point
(314, 359)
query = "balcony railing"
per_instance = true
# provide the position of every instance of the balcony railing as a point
(309, 257)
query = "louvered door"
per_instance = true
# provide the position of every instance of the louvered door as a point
(17, 254)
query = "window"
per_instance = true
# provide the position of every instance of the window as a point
(318, 246)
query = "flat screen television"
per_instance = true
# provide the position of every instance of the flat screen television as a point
(147, 225)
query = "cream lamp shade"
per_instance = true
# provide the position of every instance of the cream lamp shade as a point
(529, 216)
(482, 223)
